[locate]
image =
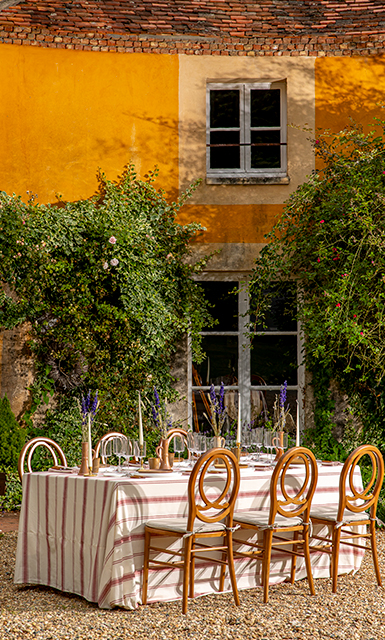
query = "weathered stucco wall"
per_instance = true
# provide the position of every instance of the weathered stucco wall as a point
(64, 114)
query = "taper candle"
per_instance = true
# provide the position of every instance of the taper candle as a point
(239, 425)
(297, 429)
(89, 443)
(140, 421)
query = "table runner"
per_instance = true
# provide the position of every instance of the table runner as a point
(86, 535)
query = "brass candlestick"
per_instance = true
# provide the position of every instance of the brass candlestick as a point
(141, 447)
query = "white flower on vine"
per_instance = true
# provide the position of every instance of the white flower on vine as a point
(114, 262)
(105, 265)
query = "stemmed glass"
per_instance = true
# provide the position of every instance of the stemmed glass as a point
(107, 449)
(140, 452)
(247, 441)
(120, 448)
(178, 446)
(129, 451)
(258, 440)
(196, 443)
(268, 442)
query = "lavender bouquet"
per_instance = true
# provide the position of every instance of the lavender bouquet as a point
(280, 412)
(88, 409)
(159, 414)
(217, 409)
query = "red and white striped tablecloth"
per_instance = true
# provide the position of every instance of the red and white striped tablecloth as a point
(86, 535)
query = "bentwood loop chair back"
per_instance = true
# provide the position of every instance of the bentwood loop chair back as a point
(25, 457)
(357, 507)
(209, 516)
(103, 440)
(290, 501)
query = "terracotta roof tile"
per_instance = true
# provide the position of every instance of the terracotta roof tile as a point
(205, 18)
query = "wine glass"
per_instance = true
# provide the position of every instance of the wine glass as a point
(247, 441)
(140, 452)
(191, 441)
(120, 448)
(107, 449)
(178, 446)
(258, 440)
(129, 451)
(268, 442)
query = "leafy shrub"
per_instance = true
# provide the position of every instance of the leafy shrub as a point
(330, 238)
(12, 436)
(107, 288)
(13, 491)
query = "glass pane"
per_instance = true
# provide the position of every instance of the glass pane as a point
(262, 407)
(266, 156)
(225, 309)
(265, 108)
(200, 406)
(274, 360)
(225, 157)
(221, 363)
(281, 316)
(224, 109)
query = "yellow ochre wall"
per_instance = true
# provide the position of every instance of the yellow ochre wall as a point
(64, 114)
(349, 88)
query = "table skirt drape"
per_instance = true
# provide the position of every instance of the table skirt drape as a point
(86, 535)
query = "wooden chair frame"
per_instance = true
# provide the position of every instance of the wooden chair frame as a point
(29, 448)
(367, 499)
(106, 438)
(289, 506)
(171, 434)
(211, 512)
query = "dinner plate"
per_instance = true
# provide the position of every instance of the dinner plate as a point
(150, 472)
(330, 463)
(64, 469)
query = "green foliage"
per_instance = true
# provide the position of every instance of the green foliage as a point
(107, 288)
(13, 492)
(12, 436)
(331, 239)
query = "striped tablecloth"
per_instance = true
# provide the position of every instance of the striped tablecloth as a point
(86, 535)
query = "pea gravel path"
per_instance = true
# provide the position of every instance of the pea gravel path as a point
(357, 612)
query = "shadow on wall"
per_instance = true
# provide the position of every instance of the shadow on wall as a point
(349, 88)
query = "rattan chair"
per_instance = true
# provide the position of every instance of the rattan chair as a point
(99, 448)
(351, 511)
(29, 448)
(289, 513)
(208, 517)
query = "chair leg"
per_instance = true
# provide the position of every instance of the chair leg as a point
(147, 540)
(225, 558)
(293, 559)
(306, 552)
(192, 569)
(230, 562)
(186, 571)
(335, 557)
(373, 541)
(267, 543)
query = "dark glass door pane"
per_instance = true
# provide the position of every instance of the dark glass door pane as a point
(224, 109)
(274, 360)
(265, 108)
(223, 297)
(262, 408)
(221, 364)
(265, 157)
(281, 316)
(225, 157)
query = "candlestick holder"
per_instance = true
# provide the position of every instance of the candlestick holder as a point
(142, 453)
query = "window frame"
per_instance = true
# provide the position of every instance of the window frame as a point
(245, 172)
(245, 334)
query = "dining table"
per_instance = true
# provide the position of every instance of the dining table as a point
(85, 535)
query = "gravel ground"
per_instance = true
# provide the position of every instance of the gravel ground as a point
(357, 612)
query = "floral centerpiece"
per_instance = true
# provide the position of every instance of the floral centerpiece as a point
(217, 410)
(159, 414)
(88, 409)
(280, 412)
(162, 422)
